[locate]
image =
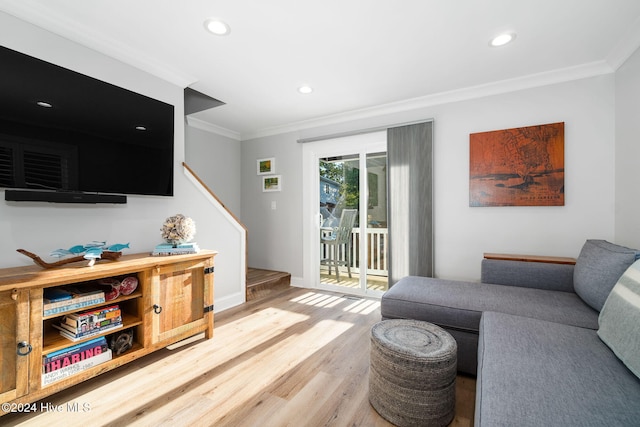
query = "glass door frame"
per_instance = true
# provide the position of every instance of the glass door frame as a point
(361, 144)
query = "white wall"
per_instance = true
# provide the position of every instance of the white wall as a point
(42, 227)
(275, 236)
(628, 152)
(463, 233)
(215, 159)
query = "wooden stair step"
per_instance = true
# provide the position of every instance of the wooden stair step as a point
(261, 283)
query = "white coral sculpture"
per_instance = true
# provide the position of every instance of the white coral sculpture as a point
(178, 229)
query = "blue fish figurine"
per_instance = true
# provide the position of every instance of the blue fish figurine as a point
(95, 244)
(59, 253)
(117, 247)
(77, 249)
(93, 253)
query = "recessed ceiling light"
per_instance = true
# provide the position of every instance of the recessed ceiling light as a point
(305, 89)
(217, 27)
(502, 39)
(141, 128)
(44, 104)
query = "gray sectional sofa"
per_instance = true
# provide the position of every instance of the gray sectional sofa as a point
(545, 351)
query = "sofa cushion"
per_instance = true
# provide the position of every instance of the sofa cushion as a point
(620, 319)
(537, 373)
(598, 268)
(459, 305)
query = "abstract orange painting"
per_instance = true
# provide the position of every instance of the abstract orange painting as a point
(517, 167)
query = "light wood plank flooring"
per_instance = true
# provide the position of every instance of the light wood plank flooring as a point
(296, 358)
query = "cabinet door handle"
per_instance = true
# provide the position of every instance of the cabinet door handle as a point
(157, 309)
(22, 345)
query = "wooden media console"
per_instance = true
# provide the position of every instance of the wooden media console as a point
(173, 301)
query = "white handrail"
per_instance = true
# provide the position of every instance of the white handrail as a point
(231, 245)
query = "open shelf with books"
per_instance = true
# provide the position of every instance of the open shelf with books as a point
(63, 363)
(116, 309)
(68, 324)
(53, 341)
(121, 298)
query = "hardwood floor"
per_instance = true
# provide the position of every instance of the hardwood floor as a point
(296, 358)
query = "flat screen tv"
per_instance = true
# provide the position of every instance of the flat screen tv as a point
(67, 137)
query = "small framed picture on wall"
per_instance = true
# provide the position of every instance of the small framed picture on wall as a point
(272, 183)
(266, 166)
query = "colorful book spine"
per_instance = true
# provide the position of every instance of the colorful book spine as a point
(78, 355)
(73, 349)
(83, 332)
(75, 368)
(160, 252)
(189, 245)
(99, 313)
(52, 295)
(169, 249)
(69, 301)
(87, 322)
(67, 293)
(72, 306)
(174, 253)
(60, 296)
(78, 326)
(95, 332)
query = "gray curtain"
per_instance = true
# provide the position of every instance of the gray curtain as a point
(410, 200)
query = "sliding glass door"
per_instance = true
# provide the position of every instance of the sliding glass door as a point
(350, 204)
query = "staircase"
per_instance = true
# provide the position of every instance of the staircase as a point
(261, 283)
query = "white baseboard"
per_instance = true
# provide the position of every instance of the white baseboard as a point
(229, 301)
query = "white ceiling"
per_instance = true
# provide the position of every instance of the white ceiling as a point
(360, 56)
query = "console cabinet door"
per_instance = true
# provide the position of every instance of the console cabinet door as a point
(181, 295)
(14, 344)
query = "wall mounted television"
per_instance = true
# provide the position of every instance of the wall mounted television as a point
(67, 137)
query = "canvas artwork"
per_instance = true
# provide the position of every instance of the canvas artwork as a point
(517, 167)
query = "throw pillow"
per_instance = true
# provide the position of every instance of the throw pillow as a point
(619, 321)
(598, 268)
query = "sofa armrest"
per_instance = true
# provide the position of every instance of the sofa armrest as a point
(539, 275)
(532, 258)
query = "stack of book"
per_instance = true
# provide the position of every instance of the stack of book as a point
(181, 249)
(71, 360)
(78, 326)
(61, 299)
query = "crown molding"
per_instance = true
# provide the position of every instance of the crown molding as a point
(86, 36)
(48, 20)
(496, 88)
(210, 127)
(625, 47)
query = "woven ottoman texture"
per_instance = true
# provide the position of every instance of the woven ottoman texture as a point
(412, 373)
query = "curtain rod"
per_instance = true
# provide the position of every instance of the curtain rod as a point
(360, 131)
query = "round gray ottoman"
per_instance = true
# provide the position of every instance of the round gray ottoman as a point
(412, 375)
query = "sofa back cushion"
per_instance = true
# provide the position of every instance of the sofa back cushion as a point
(619, 320)
(598, 268)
